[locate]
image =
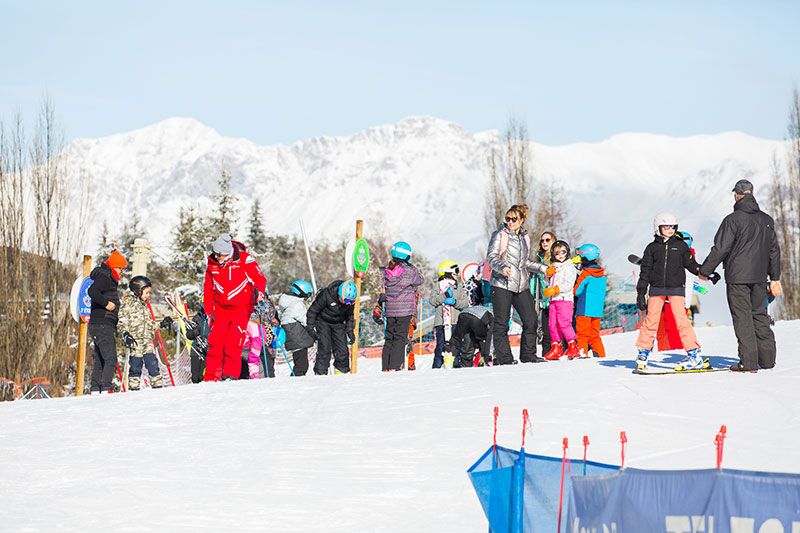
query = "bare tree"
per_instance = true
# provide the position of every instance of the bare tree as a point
(41, 212)
(553, 212)
(786, 210)
(511, 178)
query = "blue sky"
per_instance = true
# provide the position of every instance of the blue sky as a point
(281, 72)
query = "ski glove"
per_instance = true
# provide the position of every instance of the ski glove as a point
(449, 293)
(551, 291)
(714, 277)
(449, 301)
(382, 298)
(641, 301)
(312, 332)
(351, 336)
(550, 270)
(128, 339)
(200, 345)
(166, 322)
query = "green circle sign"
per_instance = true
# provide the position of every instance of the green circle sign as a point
(361, 258)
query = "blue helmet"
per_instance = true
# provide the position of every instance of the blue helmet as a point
(401, 250)
(588, 251)
(348, 292)
(687, 238)
(302, 288)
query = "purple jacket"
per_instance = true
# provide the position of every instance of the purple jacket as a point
(400, 284)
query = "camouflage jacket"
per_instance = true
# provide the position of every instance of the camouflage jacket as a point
(134, 317)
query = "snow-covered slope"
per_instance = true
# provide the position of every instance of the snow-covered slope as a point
(373, 451)
(422, 179)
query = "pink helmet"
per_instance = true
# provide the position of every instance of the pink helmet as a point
(664, 219)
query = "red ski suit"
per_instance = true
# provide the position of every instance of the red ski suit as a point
(228, 297)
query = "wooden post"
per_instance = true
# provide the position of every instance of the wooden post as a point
(82, 335)
(354, 349)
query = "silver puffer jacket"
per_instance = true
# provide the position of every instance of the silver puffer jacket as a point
(516, 256)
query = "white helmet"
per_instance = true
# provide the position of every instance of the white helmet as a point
(664, 219)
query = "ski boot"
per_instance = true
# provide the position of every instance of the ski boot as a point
(448, 360)
(641, 360)
(555, 352)
(411, 362)
(693, 361)
(572, 350)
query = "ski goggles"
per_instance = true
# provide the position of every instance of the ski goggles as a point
(348, 301)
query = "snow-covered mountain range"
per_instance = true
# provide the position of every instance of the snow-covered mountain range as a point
(423, 180)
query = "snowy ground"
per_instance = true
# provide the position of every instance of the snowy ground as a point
(373, 451)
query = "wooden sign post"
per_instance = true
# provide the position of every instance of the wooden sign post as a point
(82, 335)
(361, 263)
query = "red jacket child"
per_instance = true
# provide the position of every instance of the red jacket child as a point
(233, 283)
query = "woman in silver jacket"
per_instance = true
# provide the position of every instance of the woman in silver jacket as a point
(509, 256)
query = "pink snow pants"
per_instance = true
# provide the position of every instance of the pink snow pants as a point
(650, 327)
(561, 321)
(253, 341)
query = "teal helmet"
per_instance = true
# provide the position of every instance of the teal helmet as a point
(588, 251)
(401, 250)
(302, 288)
(348, 292)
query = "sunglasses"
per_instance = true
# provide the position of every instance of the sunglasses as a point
(669, 226)
(545, 240)
(511, 219)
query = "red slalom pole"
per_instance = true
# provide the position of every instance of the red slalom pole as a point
(119, 373)
(161, 344)
(525, 423)
(585, 446)
(561, 495)
(494, 438)
(623, 439)
(719, 440)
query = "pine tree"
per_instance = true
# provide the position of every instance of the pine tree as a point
(222, 222)
(191, 243)
(257, 239)
(105, 245)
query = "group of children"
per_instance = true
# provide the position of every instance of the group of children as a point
(574, 290)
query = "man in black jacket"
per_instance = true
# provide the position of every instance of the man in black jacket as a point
(747, 247)
(103, 320)
(330, 322)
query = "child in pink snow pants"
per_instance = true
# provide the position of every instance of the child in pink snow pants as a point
(253, 342)
(563, 275)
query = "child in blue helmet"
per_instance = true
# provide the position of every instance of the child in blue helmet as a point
(330, 322)
(590, 295)
(292, 310)
(400, 280)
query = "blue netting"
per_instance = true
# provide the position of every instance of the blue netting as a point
(620, 312)
(492, 477)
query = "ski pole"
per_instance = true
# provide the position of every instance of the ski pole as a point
(161, 344)
(263, 344)
(286, 358)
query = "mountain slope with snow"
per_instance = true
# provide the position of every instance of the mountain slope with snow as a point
(374, 451)
(423, 180)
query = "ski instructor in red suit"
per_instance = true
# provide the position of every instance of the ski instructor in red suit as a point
(232, 286)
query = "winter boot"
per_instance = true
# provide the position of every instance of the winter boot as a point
(448, 360)
(134, 382)
(572, 350)
(555, 352)
(156, 382)
(641, 360)
(693, 361)
(411, 362)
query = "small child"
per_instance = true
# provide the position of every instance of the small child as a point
(447, 298)
(662, 271)
(292, 309)
(563, 274)
(590, 294)
(139, 330)
(252, 347)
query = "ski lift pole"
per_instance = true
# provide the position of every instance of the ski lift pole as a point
(308, 256)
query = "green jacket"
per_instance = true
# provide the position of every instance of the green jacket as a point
(538, 284)
(134, 317)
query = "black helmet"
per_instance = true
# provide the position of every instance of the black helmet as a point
(560, 244)
(138, 284)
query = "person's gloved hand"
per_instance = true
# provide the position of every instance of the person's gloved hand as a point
(714, 277)
(128, 339)
(448, 292)
(551, 291)
(312, 332)
(166, 322)
(641, 301)
(200, 344)
(550, 270)
(382, 298)
(351, 336)
(210, 319)
(449, 301)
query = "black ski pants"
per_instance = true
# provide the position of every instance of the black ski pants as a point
(393, 356)
(748, 306)
(105, 356)
(502, 301)
(197, 362)
(332, 339)
(300, 362)
(475, 330)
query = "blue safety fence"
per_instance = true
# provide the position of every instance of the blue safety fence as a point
(521, 492)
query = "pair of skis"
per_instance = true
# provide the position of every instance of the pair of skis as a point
(664, 371)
